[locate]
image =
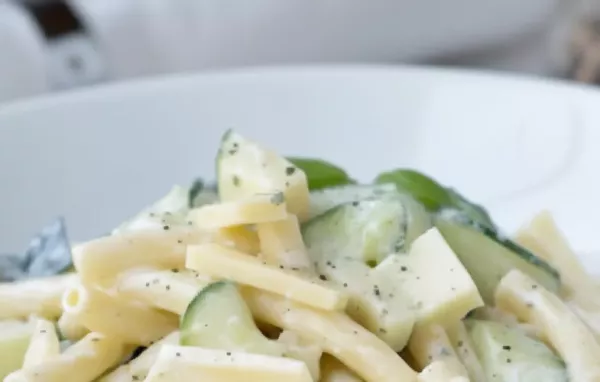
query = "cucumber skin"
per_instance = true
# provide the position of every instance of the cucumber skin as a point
(544, 273)
(197, 302)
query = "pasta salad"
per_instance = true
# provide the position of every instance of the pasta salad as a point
(288, 270)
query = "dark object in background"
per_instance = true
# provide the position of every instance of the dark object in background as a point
(586, 53)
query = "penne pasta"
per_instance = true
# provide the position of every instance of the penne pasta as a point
(40, 297)
(101, 260)
(222, 262)
(303, 350)
(530, 302)
(138, 368)
(82, 362)
(544, 238)
(131, 323)
(463, 347)
(44, 344)
(358, 349)
(70, 328)
(431, 343)
(333, 370)
(192, 364)
(443, 371)
(170, 290)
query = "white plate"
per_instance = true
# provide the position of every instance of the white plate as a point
(518, 145)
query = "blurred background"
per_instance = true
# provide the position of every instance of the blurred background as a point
(50, 46)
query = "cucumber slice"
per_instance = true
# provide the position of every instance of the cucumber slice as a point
(509, 355)
(342, 241)
(244, 169)
(218, 318)
(488, 257)
(323, 200)
(170, 210)
(368, 229)
(14, 340)
(200, 194)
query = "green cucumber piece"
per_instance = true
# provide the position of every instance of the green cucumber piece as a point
(368, 229)
(488, 257)
(321, 174)
(508, 355)
(218, 318)
(322, 201)
(346, 240)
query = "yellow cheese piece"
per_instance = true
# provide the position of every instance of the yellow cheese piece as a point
(441, 288)
(281, 244)
(226, 263)
(333, 370)
(192, 364)
(376, 302)
(443, 371)
(530, 302)
(255, 209)
(243, 238)
(245, 168)
(360, 350)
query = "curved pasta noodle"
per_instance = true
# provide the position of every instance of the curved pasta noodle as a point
(223, 262)
(82, 362)
(443, 371)
(70, 328)
(191, 364)
(167, 290)
(44, 344)
(131, 323)
(431, 343)
(40, 297)
(138, 368)
(530, 302)
(100, 261)
(357, 348)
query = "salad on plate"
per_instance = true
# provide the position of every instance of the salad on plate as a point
(286, 269)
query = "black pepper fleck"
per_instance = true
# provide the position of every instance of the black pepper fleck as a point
(178, 354)
(179, 241)
(506, 347)
(166, 227)
(508, 360)
(290, 170)
(460, 343)
(228, 353)
(236, 180)
(376, 291)
(323, 277)
(168, 287)
(355, 204)
(175, 270)
(345, 285)
(403, 268)
(147, 284)
(43, 331)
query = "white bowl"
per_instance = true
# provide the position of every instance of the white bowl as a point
(517, 145)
